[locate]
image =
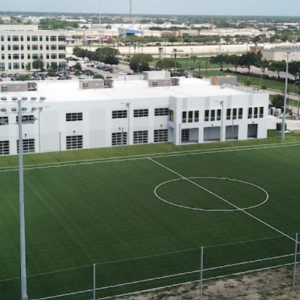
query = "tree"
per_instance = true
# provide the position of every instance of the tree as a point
(234, 60)
(98, 76)
(167, 63)
(51, 72)
(24, 77)
(111, 60)
(140, 62)
(249, 59)
(77, 66)
(277, 101)
(28, 67)
(38, 64)
(277, 66)
(220, 60)
(294, 68)
(54, 66)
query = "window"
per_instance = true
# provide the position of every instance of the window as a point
(250, 113)
(219, 115)
(26, 119)
(35, 47)
(161, 112)
(74, 142)
(234, 114)
(191, 113)
(255, 112)
(213, 115)
(16, 56)
(3, 121)
(47, 38)
(28, 38)
(72, 117)
(140, 113)
(53, 56)
(8, 38)
(9, 56)
(2, 38)
(16, 47)
(41, 38)
(206, 115)
(185, 135)
(35, 56)
(2, 57)
(160, 135)
(119, 114)
(53, 38)
(196, 116)
(16, 66)
(4, 147)
(61, 38)
(9, 47)
(140, 137)
(28, 47)
(62, 47)
(2, 47)
(15, 38)
(228, 114)
(34, 38)
(61, 56)
(171, 115)
(41, 47)
(117, 139)
(28, 146)
(261, 112)
(184, 117)
(53, 47)
(240, 113)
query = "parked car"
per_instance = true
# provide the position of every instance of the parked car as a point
(1, 79)
(81, 77)
(3, 75)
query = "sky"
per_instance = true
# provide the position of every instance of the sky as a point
(178, 7)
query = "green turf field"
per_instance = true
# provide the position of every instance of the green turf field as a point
(146, 217)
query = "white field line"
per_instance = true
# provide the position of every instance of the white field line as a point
(146, 156)
(223, 199)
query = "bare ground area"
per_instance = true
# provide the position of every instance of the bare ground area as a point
(266, 285)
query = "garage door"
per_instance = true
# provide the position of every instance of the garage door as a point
(252, 131)
(212, 134)
(232, 132)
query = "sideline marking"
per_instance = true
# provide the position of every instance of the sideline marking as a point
(223, 199)
(146, 156)
(211, 209)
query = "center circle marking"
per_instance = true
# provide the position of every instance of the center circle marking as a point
(209, 209)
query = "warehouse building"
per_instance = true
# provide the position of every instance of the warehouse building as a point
(279, 53)
(130, 111)
(22, 44)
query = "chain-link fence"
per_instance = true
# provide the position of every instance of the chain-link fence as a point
(201, 265)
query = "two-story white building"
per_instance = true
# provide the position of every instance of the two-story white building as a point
(22, 44)
(65, 115)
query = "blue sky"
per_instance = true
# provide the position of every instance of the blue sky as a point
(196, 7)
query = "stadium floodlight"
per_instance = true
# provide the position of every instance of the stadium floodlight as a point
(22, 210)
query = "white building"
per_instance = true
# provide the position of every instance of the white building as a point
(82, 115)
(280, 53)
(22, 44)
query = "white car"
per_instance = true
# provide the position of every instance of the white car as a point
(81, 77)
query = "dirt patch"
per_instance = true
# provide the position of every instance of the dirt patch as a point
(267, 285)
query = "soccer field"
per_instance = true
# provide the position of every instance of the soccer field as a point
(147, 217)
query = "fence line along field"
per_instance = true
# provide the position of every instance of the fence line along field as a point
(146, 218)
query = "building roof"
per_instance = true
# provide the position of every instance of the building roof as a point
(69, 91)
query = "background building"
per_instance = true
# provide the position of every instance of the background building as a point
(95, 113)
(279, 53)
(22, 44)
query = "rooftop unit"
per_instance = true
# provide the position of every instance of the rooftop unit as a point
(92, 84)
(163, 82)
(220, 80)
(6, 87)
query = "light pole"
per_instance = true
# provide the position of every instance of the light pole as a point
(100, 21)
(22, 209)
(285, 96)
(296, 82)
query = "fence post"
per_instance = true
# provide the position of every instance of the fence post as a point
(295, 260)
(94, 281)
(201, 272)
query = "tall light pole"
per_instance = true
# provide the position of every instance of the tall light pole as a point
(22, 210)
(100, 24)
(285, 96)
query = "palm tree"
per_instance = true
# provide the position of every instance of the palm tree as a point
(175, 56)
